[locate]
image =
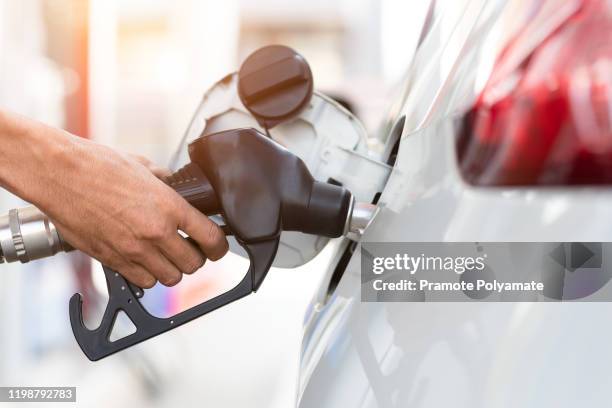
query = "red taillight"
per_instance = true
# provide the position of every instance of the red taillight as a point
(548, 119)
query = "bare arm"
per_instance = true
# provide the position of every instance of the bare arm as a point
(106, 204)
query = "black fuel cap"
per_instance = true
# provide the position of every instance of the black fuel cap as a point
(275, 84)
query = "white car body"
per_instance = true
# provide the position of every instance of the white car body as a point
(358, 354)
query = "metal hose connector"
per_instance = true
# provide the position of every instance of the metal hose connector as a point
(27, 234)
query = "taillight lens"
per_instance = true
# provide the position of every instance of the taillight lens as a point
(544, 117)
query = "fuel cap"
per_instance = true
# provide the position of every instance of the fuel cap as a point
(275, 84)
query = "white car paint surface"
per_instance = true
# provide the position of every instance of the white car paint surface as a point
(357, 354)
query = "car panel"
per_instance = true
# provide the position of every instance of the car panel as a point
(459, 354)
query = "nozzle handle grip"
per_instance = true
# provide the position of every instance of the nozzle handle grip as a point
(191, 183)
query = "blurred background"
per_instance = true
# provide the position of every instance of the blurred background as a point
(130, 74)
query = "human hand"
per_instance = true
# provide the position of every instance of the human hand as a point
(114, 208)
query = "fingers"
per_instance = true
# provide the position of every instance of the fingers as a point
(185, 256)
(160, 267)
(163, 254)
(138, 276)
(205, 232)
(167, 264)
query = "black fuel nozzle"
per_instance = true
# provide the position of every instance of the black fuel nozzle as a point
(260, 189)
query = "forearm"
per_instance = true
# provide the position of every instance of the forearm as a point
(30, 156)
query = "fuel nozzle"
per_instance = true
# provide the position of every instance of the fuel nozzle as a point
(262, 189)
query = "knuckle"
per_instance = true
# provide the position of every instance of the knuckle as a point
(137, 276)
(133, 249)
(172, 280)
(217, 242)
(213, 233)
(195, 264)
(155, 232)
(147, 282)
